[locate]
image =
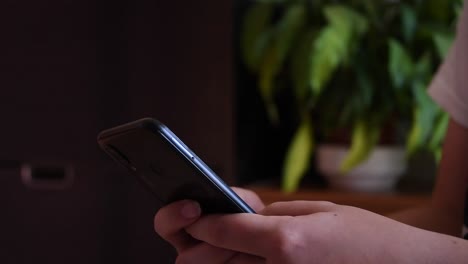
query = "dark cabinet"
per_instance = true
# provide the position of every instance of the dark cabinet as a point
(69, 69)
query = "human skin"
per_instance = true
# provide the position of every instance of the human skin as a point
(445, 212)
(311, 232)
(170, 223)
(323, 232)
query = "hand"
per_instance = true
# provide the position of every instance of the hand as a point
(320, 232)
(171, 220)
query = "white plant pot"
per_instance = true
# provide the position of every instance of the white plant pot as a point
(379, 173)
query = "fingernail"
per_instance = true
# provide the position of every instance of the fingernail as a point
(191, 210)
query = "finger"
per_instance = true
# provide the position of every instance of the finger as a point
(171, 220)
(247, 233)
(296, 208)
(250, 198)
(205, 253)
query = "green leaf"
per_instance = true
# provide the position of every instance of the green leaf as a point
(437, 155)
(442, 42)
(285, 33)
(263, 43)
(424, 101)
(328, 51)
(409, 22)
(348, 25)
(288, 29)
(424, 116)
(300, 65)
(345, 18)
(365, 87)
(370, 7)
(297, 159)
(414, 140)
(334, 43)
(440, 129)
(364, 138)
(437, 10)
(256, 20)
(400, 64)
(422, 68)
(268, 71)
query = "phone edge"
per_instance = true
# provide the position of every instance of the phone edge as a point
(203, 168)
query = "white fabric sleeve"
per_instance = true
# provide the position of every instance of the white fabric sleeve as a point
(449, 88)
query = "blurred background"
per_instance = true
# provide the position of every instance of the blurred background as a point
(295, 99)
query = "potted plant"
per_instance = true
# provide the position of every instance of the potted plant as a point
(356, 66)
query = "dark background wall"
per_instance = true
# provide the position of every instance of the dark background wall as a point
(68, 69)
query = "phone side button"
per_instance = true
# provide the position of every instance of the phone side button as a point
(182, 148)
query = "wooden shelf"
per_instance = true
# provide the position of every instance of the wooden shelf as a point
(381, 203)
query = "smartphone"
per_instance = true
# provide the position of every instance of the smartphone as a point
(167, 167)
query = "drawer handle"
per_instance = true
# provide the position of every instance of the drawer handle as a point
(47, 176)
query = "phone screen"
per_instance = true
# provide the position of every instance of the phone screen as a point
(160, 162)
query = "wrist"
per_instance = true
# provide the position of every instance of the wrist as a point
(422, 246)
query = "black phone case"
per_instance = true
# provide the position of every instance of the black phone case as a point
(167, 167)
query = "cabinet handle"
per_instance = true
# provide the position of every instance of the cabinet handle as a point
(47, 176)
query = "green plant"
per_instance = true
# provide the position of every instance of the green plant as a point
(351, 64)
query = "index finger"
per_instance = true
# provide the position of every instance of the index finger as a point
(248, 233)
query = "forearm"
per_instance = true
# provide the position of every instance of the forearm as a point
(430, 247)
(445, 212)
(431, 218)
